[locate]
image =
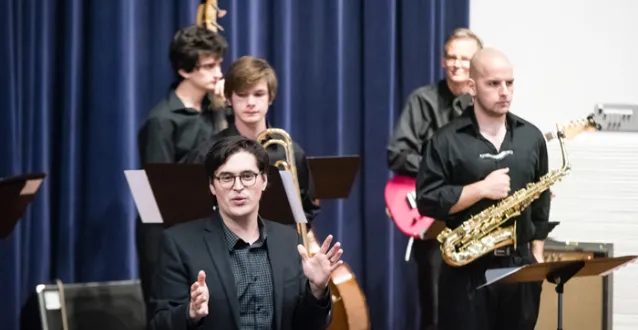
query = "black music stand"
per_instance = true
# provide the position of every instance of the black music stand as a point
(333, 176)
(176, 193)
(170, 193)
(16, 193)
(558, 272)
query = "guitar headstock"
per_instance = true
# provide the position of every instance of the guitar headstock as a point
(606, 117)
(573, 128)
(207, 14)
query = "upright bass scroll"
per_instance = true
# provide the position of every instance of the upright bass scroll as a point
(207, 14)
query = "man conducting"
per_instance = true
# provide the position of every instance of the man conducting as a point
(234, 269)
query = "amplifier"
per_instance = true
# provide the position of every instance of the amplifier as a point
(587, 301)
(94, 306)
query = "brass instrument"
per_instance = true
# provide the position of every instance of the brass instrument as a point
(349, 307)
(285, 141)
(482, 233)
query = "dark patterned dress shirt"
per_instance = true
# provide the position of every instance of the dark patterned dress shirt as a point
(253, 279)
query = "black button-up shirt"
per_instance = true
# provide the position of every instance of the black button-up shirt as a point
(458, 155)
(171, 130)
(427, 109)
(253, 278)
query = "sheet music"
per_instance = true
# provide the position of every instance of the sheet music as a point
(143, 196)
(293, 197)
(51, 300)
(30, 187)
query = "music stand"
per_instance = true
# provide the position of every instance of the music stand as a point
(176, 193)
(170, 193)
(558, 272)
(333, 176)
(16, 193)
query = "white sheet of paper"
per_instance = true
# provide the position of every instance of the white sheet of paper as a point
(293, 197)
(143, 196)
(30, 187)
(51, 300)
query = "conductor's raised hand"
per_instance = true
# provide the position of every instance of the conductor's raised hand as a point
(199, 298)
(319, 267)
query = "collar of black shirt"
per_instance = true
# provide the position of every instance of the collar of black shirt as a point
(459, 103)
(444, 90)
(175, 104)
(467, 121)
(234, 242)
(232, 130)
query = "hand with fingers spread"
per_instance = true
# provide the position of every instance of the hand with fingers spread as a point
(199, 298)
(318, 267)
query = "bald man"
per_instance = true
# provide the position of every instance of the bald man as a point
(481, 157)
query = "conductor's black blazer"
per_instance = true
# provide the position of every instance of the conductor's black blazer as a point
(200, 245)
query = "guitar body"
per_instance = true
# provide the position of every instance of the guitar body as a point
(349, 307)
(400, 200)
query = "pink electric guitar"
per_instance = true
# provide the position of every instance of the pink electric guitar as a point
(400, 195)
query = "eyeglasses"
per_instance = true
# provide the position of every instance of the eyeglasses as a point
(247, 179)
(452, 59)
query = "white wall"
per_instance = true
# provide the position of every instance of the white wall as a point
(569, 55)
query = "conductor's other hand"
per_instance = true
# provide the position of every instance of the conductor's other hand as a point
(497, 184)
(199, 298)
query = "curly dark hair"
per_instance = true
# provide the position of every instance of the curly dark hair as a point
(191, 43)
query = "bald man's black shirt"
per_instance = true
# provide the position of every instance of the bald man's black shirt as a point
(458, 155)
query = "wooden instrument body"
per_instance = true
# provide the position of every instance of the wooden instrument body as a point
(349, 307)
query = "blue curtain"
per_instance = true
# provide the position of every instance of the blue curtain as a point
(81, 75)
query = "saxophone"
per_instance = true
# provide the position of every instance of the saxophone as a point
(482, 233)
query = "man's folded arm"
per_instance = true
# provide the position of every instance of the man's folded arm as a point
(540, 207)
(169, 300)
